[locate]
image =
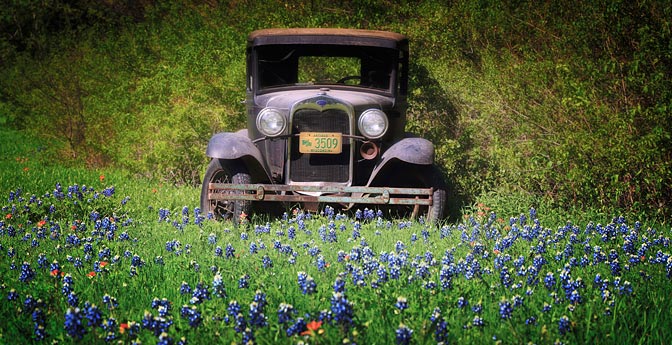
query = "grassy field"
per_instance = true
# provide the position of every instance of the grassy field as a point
(94, 256)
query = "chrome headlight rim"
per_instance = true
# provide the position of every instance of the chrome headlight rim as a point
(271, 122)
(371, 117)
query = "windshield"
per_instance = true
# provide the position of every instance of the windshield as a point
(283, 65)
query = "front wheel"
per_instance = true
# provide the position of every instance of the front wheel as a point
(437, 211)
(225, 171)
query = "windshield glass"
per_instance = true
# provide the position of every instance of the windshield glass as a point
(283, 65)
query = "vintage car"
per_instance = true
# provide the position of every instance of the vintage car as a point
(325, 126)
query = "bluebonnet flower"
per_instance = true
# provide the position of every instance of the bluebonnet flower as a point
(339, 285)
(110, 301)
(93, 314)
(200, 294)
(462, 302)
(505, 309)
(73, 323)
(185, 288)
(243, 281)
(72, 299)
(306, 283)
(229, 251)
(341, 309)
(38, 324)
(286, 313)
(234, 308)
(564, 325)
(27, 274)
(400, 246)
(42, 261)
(136, 261)
(218, 251)
(422, 270)
(478, 321)
(505, 277)
(256, 315)
(615, 267)
(164, 214)
(12, 295)
(266, 261)
(218, 288)
(163, 306)
(404, 335)
(429, 285)
(192, 314)
(158, 325)
(313, 251)
(321, 264)
(164, 339)
(297, 327)
(549, 280)
(402, 303)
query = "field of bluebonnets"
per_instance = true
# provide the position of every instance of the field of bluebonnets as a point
(97, 256)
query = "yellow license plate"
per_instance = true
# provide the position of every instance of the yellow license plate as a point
(318, 142)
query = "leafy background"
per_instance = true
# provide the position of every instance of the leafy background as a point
(566, 103)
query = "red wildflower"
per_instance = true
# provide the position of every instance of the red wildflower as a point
(41, 223)
(91, 274)
(26, 169)
(123, 327)
(102, 178)
(313, 326)
(496, 251)
(55, 272)
(8, 216)
(103, 264)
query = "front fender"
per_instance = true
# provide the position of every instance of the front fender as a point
(417, 151)
(228, 145)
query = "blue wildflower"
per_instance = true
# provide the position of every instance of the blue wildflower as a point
(73, 323)
(244, 281)
(341, 309)
(505, 309)
(27, 274)
(218, 288)
(564, 325)
(306, 283)
(402, 303)
(403, 335)
(185, 288)
(286, 313)
(192, 314)
(200, 294)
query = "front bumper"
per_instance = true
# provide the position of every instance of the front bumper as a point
(348, 195)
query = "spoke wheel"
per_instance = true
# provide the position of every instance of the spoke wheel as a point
(224, 171)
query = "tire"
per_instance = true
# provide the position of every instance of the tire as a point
(437, 211)
(225, 171)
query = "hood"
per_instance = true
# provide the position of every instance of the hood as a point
(357, 99)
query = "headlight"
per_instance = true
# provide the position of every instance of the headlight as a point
(271, 122)
(373, 123)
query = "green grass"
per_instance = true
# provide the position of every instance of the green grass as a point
(421, 254)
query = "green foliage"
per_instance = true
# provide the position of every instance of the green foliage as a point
(565, 102)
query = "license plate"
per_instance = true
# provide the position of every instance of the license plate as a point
(318, 142)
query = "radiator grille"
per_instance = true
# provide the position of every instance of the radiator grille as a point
(320, 167)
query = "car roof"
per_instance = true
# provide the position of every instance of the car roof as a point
(332, 36)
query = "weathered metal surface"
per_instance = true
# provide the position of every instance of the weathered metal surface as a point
(332, 194)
